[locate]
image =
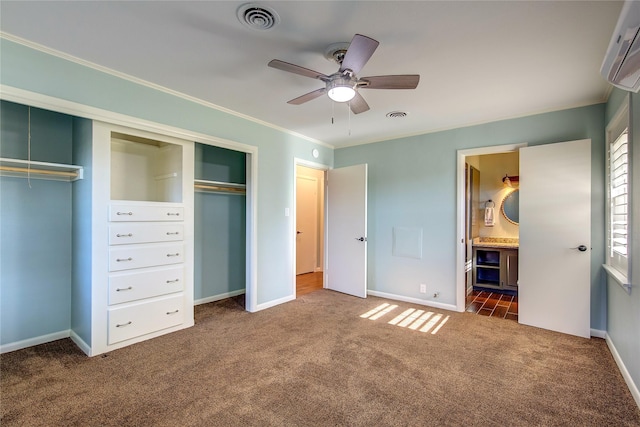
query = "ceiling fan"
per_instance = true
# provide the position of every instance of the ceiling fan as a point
(343, 85)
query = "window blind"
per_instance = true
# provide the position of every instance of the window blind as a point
(619, 165)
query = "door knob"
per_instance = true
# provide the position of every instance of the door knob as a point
(581, 248)
(298, 232)
(361, 239)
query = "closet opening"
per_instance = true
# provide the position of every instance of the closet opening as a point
(309, 233)
(220, 224)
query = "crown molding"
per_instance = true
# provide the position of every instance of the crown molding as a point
(136, 80)
(38, 100)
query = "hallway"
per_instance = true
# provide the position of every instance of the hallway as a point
(307, 283)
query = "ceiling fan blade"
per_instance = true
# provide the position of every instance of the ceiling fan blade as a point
(358, 104)
(296, 69)
(360, 50)
(404, 81)
(308, 96)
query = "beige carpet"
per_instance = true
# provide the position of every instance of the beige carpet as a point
(316, 361)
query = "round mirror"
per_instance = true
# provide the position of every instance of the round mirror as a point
(510, 207)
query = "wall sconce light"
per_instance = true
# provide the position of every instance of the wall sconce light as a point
(509, 180)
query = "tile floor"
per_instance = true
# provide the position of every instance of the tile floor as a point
(494, 304)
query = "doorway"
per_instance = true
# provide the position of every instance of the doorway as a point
(492, 235)
(554, 236)
(463, 268)
(309, 220)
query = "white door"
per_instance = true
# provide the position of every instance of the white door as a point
(555, 237)
(347, 230)
(306, 224)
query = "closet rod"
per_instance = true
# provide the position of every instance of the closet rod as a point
(39, 171)
(219, 189)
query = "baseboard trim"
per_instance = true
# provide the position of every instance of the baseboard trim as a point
(633, 388)
(219, 297)
(42, 339)
(86, 348)
(598, 333)
(273, 303)
(433, 304)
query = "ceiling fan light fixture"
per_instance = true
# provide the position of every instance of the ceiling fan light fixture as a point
(341, 90)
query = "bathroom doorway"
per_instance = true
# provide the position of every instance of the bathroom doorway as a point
(491, 234)
(554, 238)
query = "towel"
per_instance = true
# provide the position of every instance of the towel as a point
(489, 220)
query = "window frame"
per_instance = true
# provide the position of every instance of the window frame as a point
(617, 265)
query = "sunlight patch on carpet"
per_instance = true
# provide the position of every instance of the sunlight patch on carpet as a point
(378, 312)
(417, 320)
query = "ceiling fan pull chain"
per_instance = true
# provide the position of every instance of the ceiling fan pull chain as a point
(333, 110)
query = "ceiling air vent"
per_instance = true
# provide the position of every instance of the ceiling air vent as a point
(397, 114)
(258, 17)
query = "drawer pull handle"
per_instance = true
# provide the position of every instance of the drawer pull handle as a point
(173, 281)
(124, 259)
(169, 233)
(124, 289)
(172, 312)
(124, 213)
(122, 325)
(124, 235)
(173, 213)
(176, 254)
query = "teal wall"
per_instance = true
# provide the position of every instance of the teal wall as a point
(220, 224)
(35, 231)
(623, 310)
(29, 69)
(82, 231)
(412, 183)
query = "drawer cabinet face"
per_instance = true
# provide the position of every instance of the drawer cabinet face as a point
(131, 286)
(123, 213)
(127, 233)
(140, 256)
(135, 320)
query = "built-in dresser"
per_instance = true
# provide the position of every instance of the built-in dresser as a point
(142, 238)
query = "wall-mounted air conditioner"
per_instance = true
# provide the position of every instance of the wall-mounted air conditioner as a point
(621, 65)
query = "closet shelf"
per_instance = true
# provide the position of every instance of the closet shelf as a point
(40, 170)
(219, 187)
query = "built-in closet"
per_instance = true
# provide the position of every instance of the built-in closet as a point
(35, 223)
(106, 233)
(220, 223)
(134, 214)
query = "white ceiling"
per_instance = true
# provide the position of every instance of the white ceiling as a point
(479, 61)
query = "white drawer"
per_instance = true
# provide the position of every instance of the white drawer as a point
(123, 234)
(120, 213)
(140, 319)
(140, 256)
(131, 286)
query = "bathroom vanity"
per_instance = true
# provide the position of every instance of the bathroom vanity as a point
(495, 264)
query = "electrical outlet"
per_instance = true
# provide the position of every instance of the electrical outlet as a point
(423, 288)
